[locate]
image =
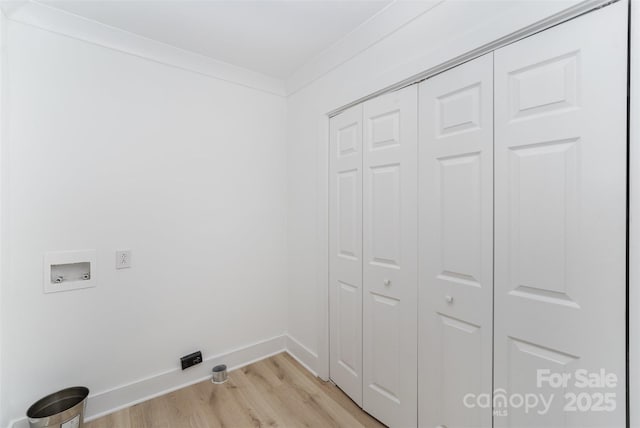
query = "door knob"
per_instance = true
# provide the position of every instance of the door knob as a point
(387, 281)
(448, 299)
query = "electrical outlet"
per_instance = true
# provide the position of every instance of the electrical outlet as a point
(191, 360)
(123, 259)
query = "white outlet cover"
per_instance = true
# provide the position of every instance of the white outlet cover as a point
(123, 259)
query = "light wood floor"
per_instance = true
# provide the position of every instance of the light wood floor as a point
(276, 392)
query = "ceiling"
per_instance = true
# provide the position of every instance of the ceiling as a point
(271, 37)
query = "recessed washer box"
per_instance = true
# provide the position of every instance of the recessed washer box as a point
(69, 270)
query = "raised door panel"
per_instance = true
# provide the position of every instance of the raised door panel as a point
(460, 358)
(459, 180)
(456, 245)
(386, 372)
(390, 257)
(345, 246)
(543, 200)
(545, 407)
(384, 231)
(348, 220)
(560, 219)
(347, 328)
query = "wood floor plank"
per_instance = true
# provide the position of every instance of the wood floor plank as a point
(337, 395)
(300, 406)
(275, 392)
(266, 382)
(296, 376)
(119, 419)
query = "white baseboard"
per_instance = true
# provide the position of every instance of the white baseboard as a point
(123, 396)
(106, 402)
(305, 356)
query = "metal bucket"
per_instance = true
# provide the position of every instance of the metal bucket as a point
(62, 409)
(219, 374)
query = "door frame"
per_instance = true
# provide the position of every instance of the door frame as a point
(633, 168)
(633, 230)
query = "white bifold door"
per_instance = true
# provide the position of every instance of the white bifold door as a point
(373, 259)
(522, 226)
(390, 248)
(456, 244)
(560, 222)
(345, 248)
(478, 238)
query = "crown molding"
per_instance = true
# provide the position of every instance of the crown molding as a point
(61, 22)
(386, 22)
(572, 9)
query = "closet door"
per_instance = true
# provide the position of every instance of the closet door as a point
(345, 246)
(390, 253)
(456, 244)
(560, 213)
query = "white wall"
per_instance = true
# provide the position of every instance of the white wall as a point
(104, 150)
(451, 28)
